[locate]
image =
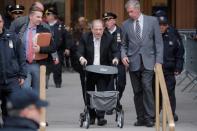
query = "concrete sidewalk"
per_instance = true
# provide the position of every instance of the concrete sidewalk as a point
(66, 104)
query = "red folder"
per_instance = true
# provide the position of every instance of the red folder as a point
(43, 40)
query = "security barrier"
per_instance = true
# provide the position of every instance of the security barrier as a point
(190, 68)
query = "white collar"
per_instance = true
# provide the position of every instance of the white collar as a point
(112, 31)
(94, 39)
(140, 18)
(53, 23)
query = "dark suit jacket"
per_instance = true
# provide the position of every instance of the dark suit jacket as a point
(108, 50)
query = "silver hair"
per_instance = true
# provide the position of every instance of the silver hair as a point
(96, 21)
(132, 3)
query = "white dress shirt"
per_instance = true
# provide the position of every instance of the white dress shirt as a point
(97, 43)
(141, 21)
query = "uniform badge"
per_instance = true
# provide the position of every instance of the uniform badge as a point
(11, 44)
(60, 27)
(118, 37)
(170, 43)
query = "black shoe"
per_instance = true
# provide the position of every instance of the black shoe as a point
(92, 121)
(149, 123)
(110, 112)
(139, 123)
(101, 122)
(176, 118)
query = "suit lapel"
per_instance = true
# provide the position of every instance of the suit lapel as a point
(145, 27)
(102, 45)
(131, 27)
(91, 42)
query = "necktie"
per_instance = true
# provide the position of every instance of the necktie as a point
(138, 30)
(30, 46)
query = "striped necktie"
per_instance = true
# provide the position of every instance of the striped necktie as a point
(30, 46)
(138, 30)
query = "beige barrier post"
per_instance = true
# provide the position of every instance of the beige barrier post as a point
(157, 124)
(167, 115)
(43, 96)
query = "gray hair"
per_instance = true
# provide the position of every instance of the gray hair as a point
(96, 21)
(132, 3)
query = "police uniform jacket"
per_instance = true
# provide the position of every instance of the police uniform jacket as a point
(107, 48)
(173, 52)
(62, 38)
(19, 124)
(12, 56)
(117, 35)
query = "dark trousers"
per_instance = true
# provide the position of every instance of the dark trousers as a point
(67, 61)
(121, 80)
(6, 89)
(100, 83)
(57, 73)
(171, 83)
(82, 79)
(143, 95)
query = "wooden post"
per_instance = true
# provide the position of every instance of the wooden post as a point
(43, 96)
(164, 116)
(157, 102)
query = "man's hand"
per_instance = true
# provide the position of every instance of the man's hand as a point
(157, 64)
(36, 48)
(21, 81)
(115, 61)
(56, 61)
(67, 52)
(83, 61)
(125, 61)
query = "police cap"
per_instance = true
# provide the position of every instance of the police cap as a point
(51, 10)
(9, 8)
(23, 98)
(17, 9)
(109, 15)
(163, 20)
(159, 13)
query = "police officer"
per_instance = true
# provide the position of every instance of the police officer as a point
(62, 39)
(173, 60)
(17, 11)
(173, 30)
(12, 64)
(24, 109)
(8, 17)
(111, 27)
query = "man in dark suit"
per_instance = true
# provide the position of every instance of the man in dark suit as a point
(142, 50)
(96, 48)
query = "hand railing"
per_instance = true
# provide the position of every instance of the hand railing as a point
(167, 116)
